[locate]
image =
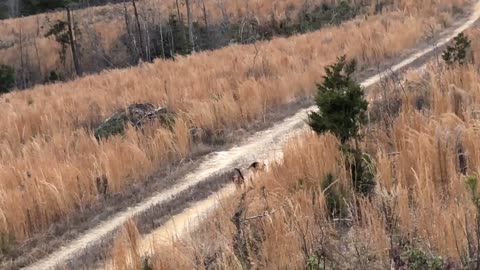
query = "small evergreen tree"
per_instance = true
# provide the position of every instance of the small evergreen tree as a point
(341, 103)
(7, 78)
(458, 52)
(342, 111)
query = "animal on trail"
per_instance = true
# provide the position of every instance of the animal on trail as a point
(238, 178)
(241, 179)
(257, 166)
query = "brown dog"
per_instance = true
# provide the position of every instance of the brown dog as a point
(240, 179)
(254, 169)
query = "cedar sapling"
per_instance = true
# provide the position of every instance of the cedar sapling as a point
(342, 111)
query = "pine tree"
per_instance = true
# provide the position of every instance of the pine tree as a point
(342, 111)
(341, 103)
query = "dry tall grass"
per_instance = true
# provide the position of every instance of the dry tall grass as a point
(421, 200)
(49, 159)
(101, 29)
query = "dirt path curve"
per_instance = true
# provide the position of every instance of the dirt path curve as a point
(259, 146)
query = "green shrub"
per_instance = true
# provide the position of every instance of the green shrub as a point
(472, 186)
(7, 241)
(419, 260)
(314, 263)
(334, 199)
(342, 111)
(341, 103)
(458, 53)
(7, 78)
(362, 171)
(136, 114)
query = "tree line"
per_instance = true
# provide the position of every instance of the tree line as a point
(18, 8)
(147, 38)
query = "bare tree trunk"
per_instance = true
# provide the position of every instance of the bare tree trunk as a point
(139, 29)
(130, 36)
(172, 44)
(161, 40)
(180, 19)
(13, 8)
(36, 49)
(147, 43)
(40, 71)
(207, 31)
(204, 9)
(190, 25)
(178, 12)
(73, 45)
(22, 62)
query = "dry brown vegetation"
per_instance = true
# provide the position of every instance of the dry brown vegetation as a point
(421, 202)
(102, 32)
(50, 158)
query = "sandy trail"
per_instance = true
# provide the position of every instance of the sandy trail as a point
(186, 222)
(263, 145)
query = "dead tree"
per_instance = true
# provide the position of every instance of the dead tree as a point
(139, 29)
(190, 25)
(22, 61)
(40, 71)
(204, 10)
(148, 57)
(180, 19)
(73, 45)
(129, 33)
(161, 40)
(13, 8)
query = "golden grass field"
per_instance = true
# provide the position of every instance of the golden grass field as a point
(50, 158)
(100, 29)
(421, 199)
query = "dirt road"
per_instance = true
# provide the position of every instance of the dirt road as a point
(263, 145)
